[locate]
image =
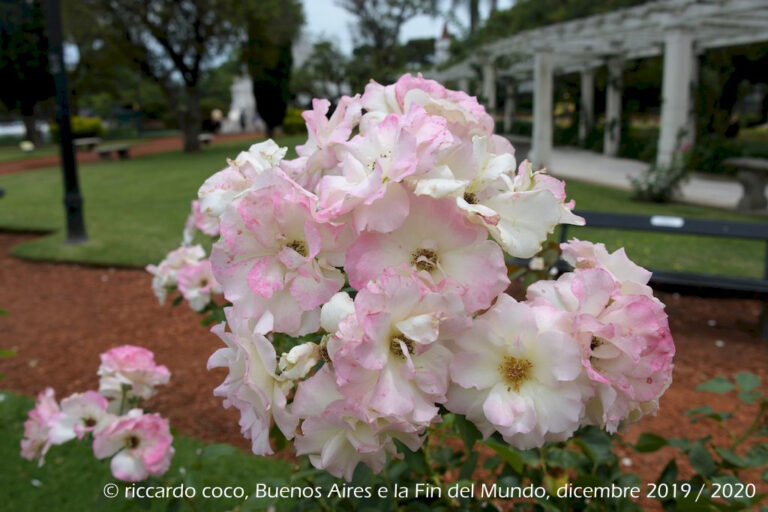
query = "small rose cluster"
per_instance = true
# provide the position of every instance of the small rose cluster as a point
(187, 270)
(138, 442)
(384, 244)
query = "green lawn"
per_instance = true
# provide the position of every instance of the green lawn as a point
(135, 212)
(9, 153)
(72, 479)
(712, 255)
(135, 209)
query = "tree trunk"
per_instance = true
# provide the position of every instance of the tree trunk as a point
(190, 119)
(32, 134)
(474, 15)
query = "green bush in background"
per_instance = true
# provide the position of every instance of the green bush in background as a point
(293, 124)
(81, 127)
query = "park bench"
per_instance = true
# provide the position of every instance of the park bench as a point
(87, 143)
(753, 176)
(205, 138)
(121, 150)
(684, 282)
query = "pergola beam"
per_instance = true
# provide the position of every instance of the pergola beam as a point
(676, 29)
(636, 32)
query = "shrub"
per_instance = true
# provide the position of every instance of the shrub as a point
(81, 127)
(660, 182)
(708, 154)
(293, 123)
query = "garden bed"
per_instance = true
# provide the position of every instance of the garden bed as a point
(61, 316)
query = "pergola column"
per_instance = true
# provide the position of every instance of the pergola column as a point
(587, 113)
(542, 109)
(690, 129)
(463, 84)
(676, 93)
(612, 129)
(510, 105)
(489, 87)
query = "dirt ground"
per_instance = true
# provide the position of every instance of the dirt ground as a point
(62, 316)
(148, 147)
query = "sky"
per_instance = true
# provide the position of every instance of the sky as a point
(326, 19)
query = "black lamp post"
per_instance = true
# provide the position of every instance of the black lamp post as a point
(73, 201)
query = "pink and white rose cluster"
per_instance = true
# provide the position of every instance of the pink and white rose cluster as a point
(198, 220)
(187, 270)
(139, 443)
(383, 245)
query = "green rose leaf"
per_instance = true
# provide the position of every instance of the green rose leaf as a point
(468, 469)
(757, 456)
(566, 458)
(717, 385)
(680, 443)
(749, 397)
(736, 483)
(747, 381)
(416, 461)
(467, 430)
(731, 457)
(508, 454)
(596, 444)
(701, 460)
(704, 409)
(649, 442)
(669, 473)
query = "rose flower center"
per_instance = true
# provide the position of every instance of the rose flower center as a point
(424, 259)
(324, 353)
(299, 246)
(396, 348)
(515, 372)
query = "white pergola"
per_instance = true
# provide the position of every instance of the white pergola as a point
(677, 29)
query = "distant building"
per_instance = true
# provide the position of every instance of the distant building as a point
(443, 47)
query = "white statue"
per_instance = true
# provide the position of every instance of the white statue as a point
(242, 116)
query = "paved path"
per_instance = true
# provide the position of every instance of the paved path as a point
(593, 167)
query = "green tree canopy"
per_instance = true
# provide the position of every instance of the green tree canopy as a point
(174, 43)
(376, 35)
(24, 60)
(271, 28)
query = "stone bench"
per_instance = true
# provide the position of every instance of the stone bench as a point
(753, 176)
(121, 150)
(87, 143)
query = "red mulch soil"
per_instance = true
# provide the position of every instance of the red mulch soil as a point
(63, 315)
(149, 147)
